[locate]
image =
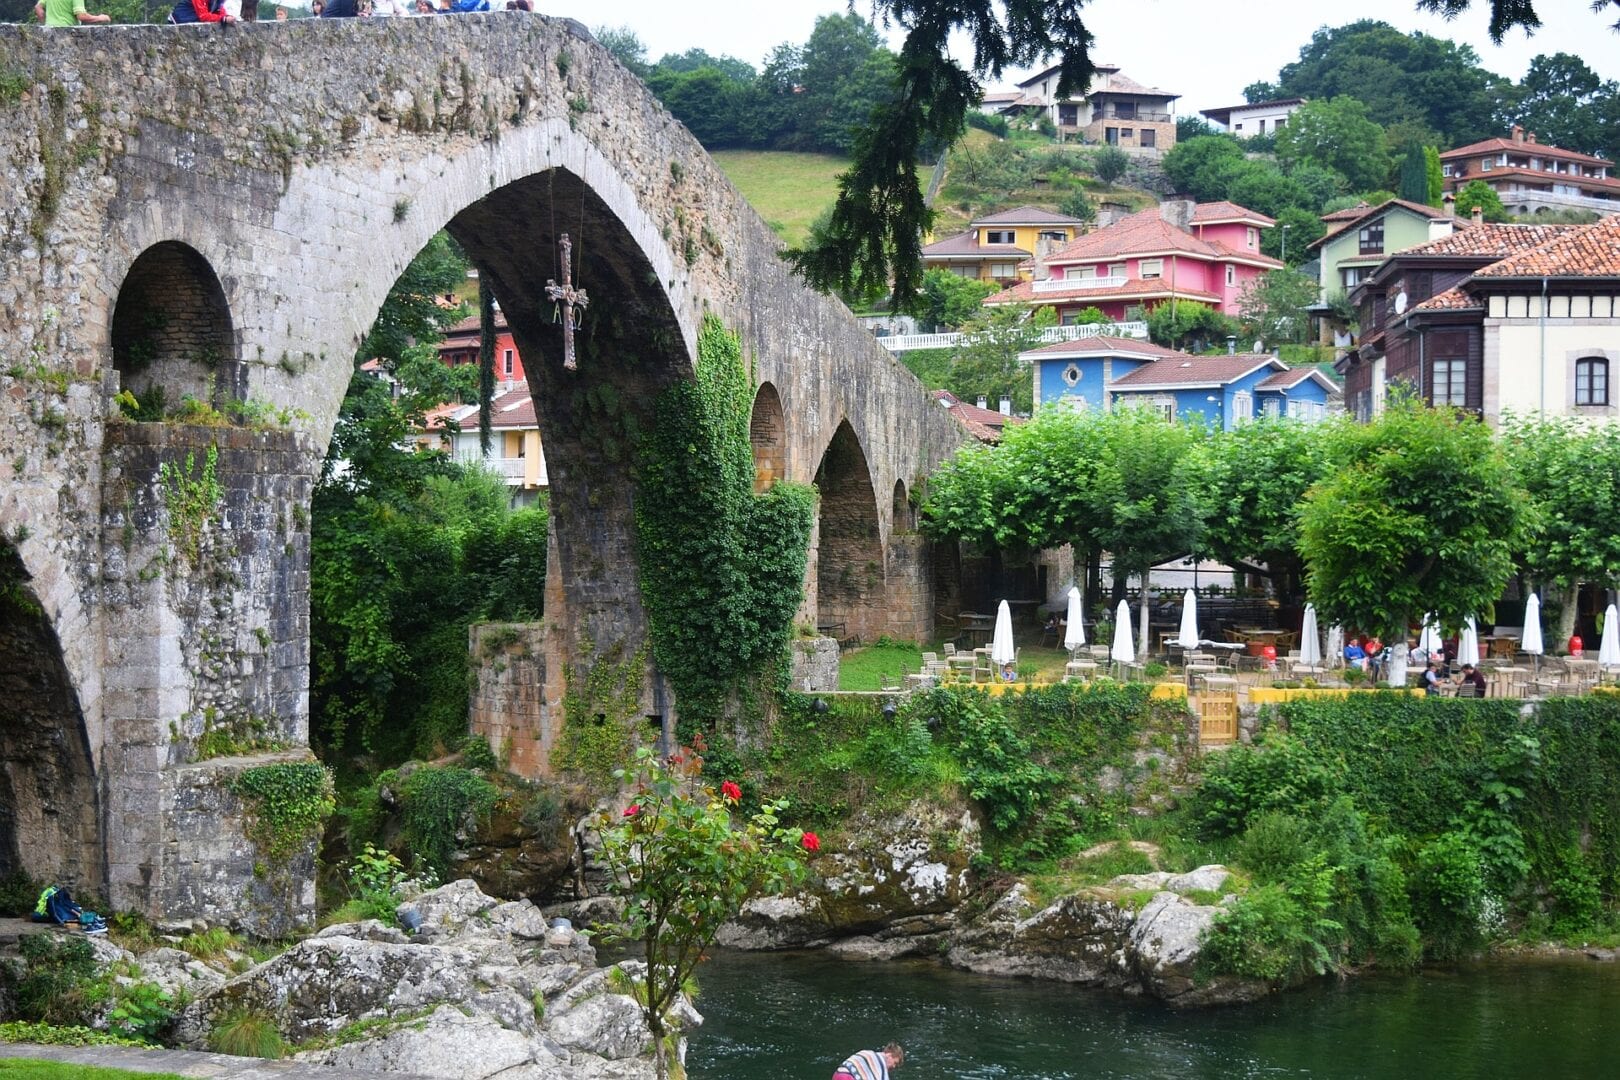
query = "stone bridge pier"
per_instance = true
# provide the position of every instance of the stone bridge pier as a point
(217, 217)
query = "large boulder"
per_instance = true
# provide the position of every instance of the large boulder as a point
(889, 877)
(447, 1042)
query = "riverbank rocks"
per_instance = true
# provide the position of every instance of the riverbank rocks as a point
(885, 886)
(1100, 937)
(482, 989)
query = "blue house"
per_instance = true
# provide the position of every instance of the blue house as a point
(1218, 391)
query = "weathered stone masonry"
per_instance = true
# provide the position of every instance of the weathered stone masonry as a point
(281, 176)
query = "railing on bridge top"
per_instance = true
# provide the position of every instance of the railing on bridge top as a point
(909, 342)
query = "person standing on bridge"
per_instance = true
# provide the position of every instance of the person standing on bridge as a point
(195, 11)
(66, 13)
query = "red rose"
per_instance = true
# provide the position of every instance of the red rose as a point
(731, 791)
(811, 841)
(632, 810)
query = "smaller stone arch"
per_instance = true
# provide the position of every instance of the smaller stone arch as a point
(851, 585)
(767, 432)
(172, 332)
(905, 518)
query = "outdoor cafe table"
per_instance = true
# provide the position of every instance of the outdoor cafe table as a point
(1500, 646)
(1509, 681)
(1259, 639)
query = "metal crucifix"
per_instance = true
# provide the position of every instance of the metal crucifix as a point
(570, 298)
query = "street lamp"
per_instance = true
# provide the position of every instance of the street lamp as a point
(1285, 229)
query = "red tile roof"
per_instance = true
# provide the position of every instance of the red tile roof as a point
(1102, 343)
(1132, 289)
(1450, 300)
(1211, 212)
(1027, 215)
(1287, 380)
(1112, 82)
(1194, 371)
(1349, 213)
(1427, 213)
(471, 325)
(1528, 149)
(1144, 233)
(983, 424)
(1494, 241)
(967, 244)
(1580, 251)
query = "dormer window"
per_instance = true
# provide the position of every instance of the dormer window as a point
(1254, 238)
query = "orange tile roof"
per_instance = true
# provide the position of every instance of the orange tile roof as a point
(983, 424)
(1146, 232)
(472, 325)
(1292, 377)
(1450, 300)
(1580, 251)
(1349, 213)
(967, 244)
(1027, 215)
(1187, 370)
(1528, 149)
(1101, 343)
(1206, 213)
(1132, 289)
(1494, 241)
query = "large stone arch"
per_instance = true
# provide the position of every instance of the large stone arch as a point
(50, 805)
(851, 587)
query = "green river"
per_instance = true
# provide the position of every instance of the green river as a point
(795, 1016)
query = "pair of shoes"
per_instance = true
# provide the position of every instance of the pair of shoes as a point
(99, 926)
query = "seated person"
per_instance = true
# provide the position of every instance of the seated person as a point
(1433, 681)
(1354, 655)
(1009, 673)
(1472, 676)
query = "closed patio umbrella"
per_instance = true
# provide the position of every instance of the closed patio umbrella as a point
(1074, 634)
(1335, 645)
(1188, 637)
(1001, 645)
(1429, 640)
(1310, 642)
(1123, 651)
(1532, 631)
(1609, 648)
(1468, 647)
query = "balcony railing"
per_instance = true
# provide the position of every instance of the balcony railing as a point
(1140, 116)
(1052, 285)
(910, 342)
(510, 469)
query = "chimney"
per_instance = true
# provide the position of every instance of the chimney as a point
(1530, 138)
(1231, 344)
(983, 404)
(1448, 202)
(1177, 212)
(1518, 133)
(1479, 215)
(1006, 406)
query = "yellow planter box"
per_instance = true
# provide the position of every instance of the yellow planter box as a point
(1165, 691)
(1271, 695)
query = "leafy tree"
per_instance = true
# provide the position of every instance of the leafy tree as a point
(1479, 193)
(1253, 481)
(1421, 513)
(1273, 306)
(1319, 184)
(1180, 324)
(1259, 185)
(411, 312)
(1435, 176)
(698, 60)
(1303, 228)
(950, 300)
(713, 104)
(684, 860)
(1191, 127)
(1568, 105)
(626, 47)
(847, 73)
(1110, 164)
(1336, 134)
(1077, 204)
(986, 364)
(1196, 167)
(1572, 474)
(1414, 179)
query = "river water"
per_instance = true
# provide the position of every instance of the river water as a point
(795, 1016)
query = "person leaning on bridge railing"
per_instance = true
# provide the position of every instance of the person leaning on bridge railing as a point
(195, 11)
(66, 13)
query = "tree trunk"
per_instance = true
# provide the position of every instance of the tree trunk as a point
(1395, 665)
(1142, 634)
(1567, 614)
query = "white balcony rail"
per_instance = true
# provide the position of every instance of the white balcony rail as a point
(910, 342)
(510, 469)
(1071, 284)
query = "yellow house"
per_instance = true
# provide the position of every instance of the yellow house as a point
(993, 247)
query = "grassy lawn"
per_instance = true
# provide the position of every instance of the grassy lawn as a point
(873, 667)
(787, 189)
(30, 1069)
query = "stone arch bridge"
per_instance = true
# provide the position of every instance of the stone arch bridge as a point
(220, 213)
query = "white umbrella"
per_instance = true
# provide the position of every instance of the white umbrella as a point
(1189, 621)
(1074, 634)
(1532, 627)
(1310, 642)
(1429, 639)
(1335, 645)
(1001, 645)
(1609, 647)
(1468, 647)
(1123, 650)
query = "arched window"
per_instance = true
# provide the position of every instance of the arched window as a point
(1592, 381)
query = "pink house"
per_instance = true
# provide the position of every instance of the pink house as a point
(1206, 253)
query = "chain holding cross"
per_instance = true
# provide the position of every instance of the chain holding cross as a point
(570, 298)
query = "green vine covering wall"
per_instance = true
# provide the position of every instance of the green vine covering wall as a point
(287, 805)
(722, 569)
(598, 714)
(191, 494)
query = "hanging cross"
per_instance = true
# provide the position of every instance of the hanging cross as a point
(570, 297)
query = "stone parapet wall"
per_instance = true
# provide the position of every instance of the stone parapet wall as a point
(813, 665)
(508, 705)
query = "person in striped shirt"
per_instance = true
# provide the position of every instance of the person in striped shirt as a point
(871, 1064)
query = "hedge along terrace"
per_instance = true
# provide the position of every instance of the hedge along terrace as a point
(1390, 829)
(1052, 769)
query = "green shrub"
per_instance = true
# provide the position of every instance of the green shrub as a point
(1274, 843)
(1277, 933)
(25, 1031)
(209, 944)
(246, 1034)
(1278, 775)
(18, 894)
(1577, 898)
(58, 983)
(140, 1011)
(1449, 893)
(476, 754)
(435, 803)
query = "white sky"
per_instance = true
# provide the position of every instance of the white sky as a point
(1207, 50)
